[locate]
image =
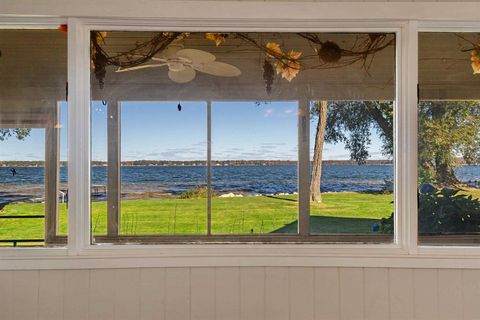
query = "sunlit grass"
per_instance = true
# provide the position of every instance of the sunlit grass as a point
(341, 212)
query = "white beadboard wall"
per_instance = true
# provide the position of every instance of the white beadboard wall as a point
(237, 293)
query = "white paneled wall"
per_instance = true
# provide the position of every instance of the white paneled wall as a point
(241, 293)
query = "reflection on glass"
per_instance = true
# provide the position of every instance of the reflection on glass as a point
(253, 83)
(98, 194)
(33, 154)
(449, 139)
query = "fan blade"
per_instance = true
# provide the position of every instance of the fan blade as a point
(219, 69)
(184, 76)
(145, 66)
(171, 51)
(196, 56)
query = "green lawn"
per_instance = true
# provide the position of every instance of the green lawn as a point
(342, 212)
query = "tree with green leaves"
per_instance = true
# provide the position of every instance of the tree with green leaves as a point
(352, 123)
(449, 133)
(19, 133)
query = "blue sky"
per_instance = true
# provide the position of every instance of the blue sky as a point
(158, 131)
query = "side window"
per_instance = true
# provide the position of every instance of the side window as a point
(33, 154)
(449, 139)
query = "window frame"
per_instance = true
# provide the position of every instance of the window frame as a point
(405, 252)
(448, 27)
(303, 128)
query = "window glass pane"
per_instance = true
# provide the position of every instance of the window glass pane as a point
(98, 170)
(352, 146)
(354, 172)
(254, 168)
(33, 135)
(449, 139)
(225, 164)
(163, 172)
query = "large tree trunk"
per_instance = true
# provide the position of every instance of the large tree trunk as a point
(315, 193)
(444, 175)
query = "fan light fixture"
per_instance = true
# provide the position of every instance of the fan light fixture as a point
(183, 64)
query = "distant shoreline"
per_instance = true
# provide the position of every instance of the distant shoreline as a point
(230, 163)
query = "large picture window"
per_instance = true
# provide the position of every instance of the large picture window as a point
(205, 136)
(33, 134)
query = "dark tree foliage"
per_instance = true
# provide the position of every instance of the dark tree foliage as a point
(448, 133)
(443, 211)
(353, 123)
(19, 133)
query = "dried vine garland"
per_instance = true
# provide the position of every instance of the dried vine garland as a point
(140, 54)
(327, 53)
(364, 49)
(474, 50)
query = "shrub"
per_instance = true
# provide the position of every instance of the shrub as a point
(443, 211)
(195, 193)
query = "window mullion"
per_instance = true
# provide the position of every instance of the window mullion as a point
(209, 167)
(114, 184)
(406, 146)
(78, 136)
(303, 167)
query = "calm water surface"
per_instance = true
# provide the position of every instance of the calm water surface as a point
(241, 179)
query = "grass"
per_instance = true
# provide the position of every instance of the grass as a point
(342, 212)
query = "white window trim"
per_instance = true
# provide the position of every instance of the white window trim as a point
(82, 120)
(404, 253)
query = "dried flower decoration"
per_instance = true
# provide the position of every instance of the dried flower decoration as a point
(289, 66)
(475, 59)
(273, 50)
(63, 28)
(218, 38)
(286, 64)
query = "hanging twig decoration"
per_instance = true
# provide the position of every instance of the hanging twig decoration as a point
(474, 50)
(268, 75)
(365, 46)
(138, 55)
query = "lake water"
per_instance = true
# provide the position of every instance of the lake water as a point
(238, 179)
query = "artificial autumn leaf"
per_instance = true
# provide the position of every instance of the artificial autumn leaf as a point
(289, 66)
(475, 59)
(63, 28)
(274, 48)
(294, 55)
(100, 36)
(218, 38)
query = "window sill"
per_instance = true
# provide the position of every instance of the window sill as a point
(238, 255)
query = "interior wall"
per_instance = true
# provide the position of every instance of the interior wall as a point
(240, 293)
(235, 292)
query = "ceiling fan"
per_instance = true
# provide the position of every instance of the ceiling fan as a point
(183, 64)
